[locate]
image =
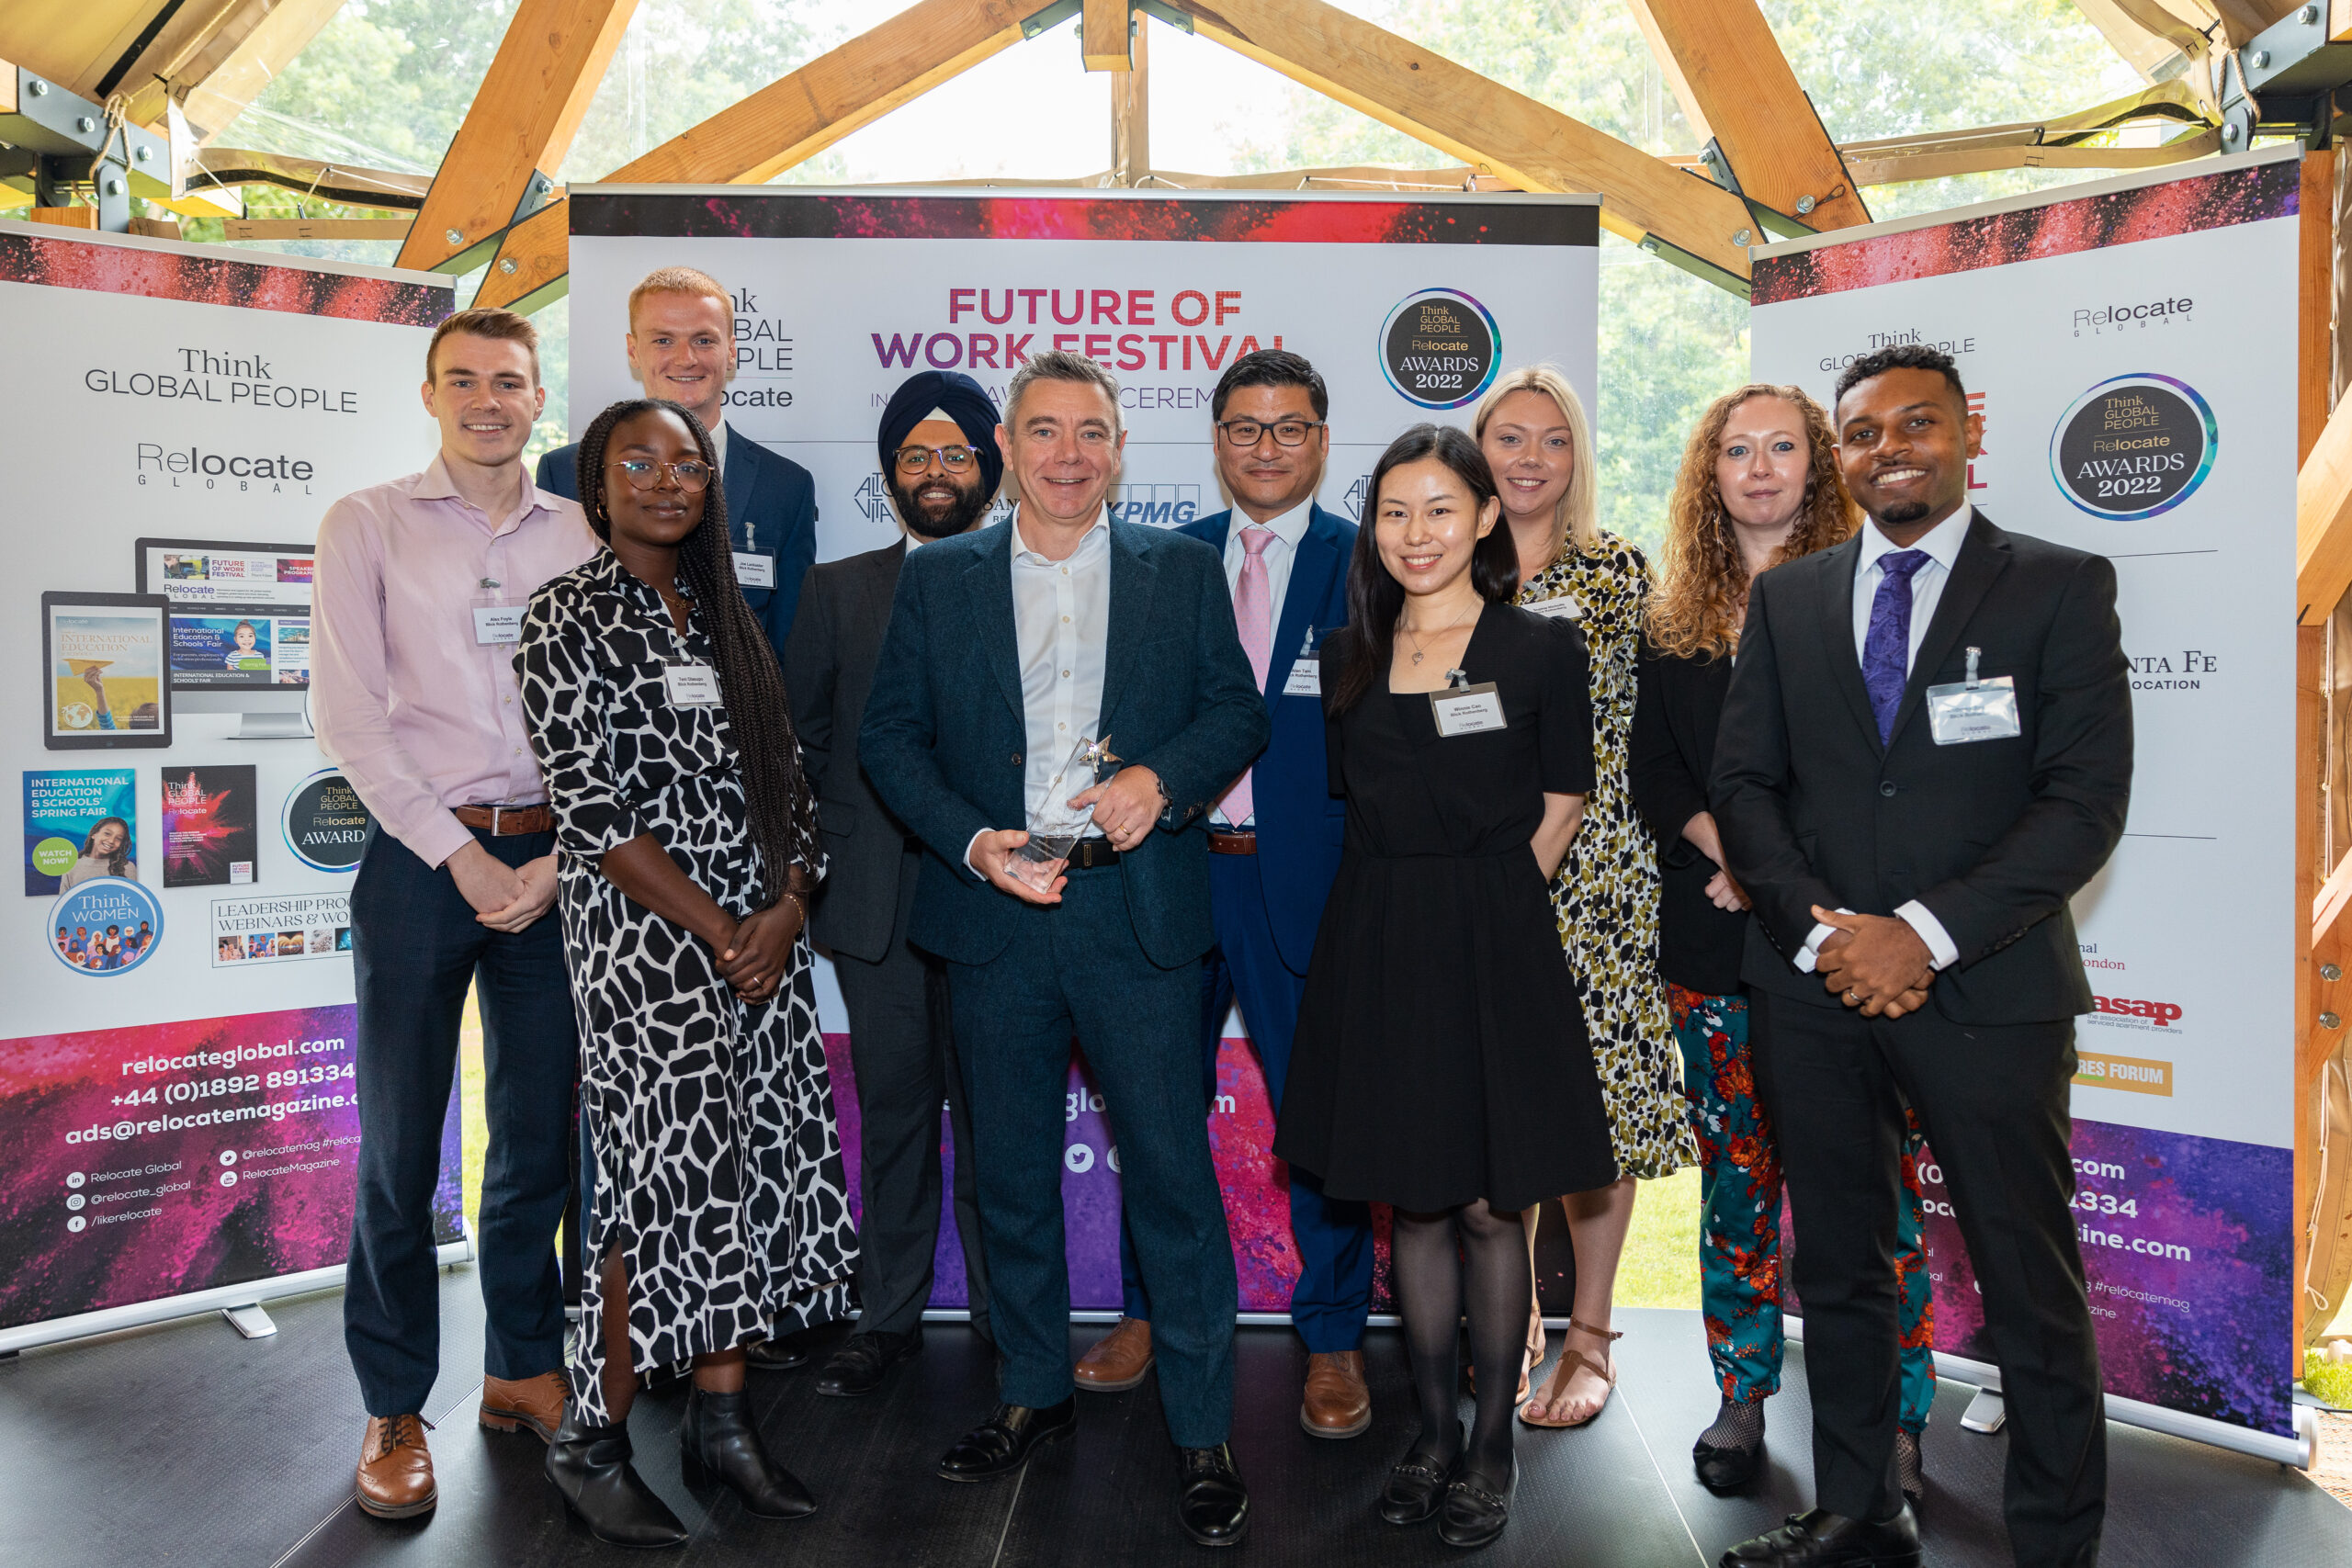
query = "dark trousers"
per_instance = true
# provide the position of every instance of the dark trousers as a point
(1993, 1103)
(1333, 1295)
(902, 1043)
(1077, 967)
(416, 946)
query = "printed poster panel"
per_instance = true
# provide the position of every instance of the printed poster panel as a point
(2130, 350)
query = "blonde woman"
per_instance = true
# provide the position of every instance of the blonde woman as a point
(1533, 428)
(1758, 486)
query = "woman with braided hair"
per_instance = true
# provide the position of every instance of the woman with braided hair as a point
(686, 854)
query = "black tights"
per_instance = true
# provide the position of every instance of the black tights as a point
(1473, 1258)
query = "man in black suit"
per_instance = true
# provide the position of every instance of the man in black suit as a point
(940, 467)
(1925, 754)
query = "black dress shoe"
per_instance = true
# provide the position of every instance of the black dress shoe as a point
(1823, 1539)
(1726, 1470)
(719, 1443)
(1471, 1515)
(589, 1466)
(775, 1356)
(1001, 1445)
(856, 1369)
(1417, 1485)
(1211, 1501)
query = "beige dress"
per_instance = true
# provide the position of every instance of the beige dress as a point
(1606, 894)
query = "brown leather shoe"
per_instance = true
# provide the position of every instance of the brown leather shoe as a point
(534, 1403)
(395, 1469)
(1118, 1361)
(1337, 1405)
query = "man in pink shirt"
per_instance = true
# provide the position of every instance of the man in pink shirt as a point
(420, 588)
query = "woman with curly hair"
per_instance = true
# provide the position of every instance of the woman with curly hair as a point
(687, 850)
(1758, 486)
(1533, 428)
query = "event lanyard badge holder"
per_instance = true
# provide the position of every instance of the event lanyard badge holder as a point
(496, 622)
(1974, 709)
(1464, 709)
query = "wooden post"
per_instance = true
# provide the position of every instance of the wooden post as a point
(1131, 115)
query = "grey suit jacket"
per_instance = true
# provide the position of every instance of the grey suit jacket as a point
(828, 669)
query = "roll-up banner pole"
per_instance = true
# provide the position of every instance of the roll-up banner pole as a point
(179, 1127)
(1409, 306)
(2130, 344)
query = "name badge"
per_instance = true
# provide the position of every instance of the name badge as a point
(754, 571)
(692, 685)
(497, 623)
(1565, 608)
(1306, 680)
(1469, 710)
(1974, 709)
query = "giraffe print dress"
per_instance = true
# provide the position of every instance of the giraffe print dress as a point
(718, 1169)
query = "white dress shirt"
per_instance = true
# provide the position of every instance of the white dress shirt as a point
(1281, 552)
(1942, 544)
(1061, 623)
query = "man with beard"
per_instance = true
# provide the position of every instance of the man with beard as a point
(940, 466)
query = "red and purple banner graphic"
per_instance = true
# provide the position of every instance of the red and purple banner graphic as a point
(82, 262)
(155, 1161)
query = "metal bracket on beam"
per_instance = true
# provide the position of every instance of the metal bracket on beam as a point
(535, 192)
(66, 142)
(1718, 167)
(1698, 268)
(2283, 82)
(1052, 17)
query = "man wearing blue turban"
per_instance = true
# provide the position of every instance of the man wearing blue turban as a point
(941, 467)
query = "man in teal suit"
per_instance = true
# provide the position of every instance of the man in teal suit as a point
(682, 346)
(1006, 647)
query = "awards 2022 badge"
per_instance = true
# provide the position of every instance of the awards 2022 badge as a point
(1440, 348)
(2133, 447)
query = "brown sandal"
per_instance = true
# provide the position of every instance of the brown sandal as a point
(1570, 1359)
(1527, 1359)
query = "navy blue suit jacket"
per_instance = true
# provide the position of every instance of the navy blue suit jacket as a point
(1300, 823)
(771, 511)
(944, 730)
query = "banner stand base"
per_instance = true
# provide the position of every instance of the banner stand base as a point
(250, 1320)
(1985, 1412)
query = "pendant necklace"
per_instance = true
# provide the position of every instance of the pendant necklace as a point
(1417, 641)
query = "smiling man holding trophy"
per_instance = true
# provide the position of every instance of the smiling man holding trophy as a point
(1018, 656)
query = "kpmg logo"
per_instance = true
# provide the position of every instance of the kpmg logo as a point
(2101, 319)
(1163, 506)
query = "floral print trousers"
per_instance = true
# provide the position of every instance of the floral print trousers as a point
(1739, 1238)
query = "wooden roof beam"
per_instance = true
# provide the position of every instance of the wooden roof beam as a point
(789, 120)
(1737, 88)
(1691, 222)
(1103, 36)
(214, 71)
(500, 166)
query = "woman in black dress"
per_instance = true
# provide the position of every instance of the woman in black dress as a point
(1441, 1064)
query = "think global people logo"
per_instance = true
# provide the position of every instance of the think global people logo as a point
(1439, 349)
(2134, 446)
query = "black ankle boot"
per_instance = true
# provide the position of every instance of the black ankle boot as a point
(720, 1444)
(589, 1466)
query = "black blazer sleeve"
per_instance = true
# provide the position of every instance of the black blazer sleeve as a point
(1666, 792)
(1750, 786)
(2081, 779)
(811, 669)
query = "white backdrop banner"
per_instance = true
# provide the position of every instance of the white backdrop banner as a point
(177, 1105)
(1408, 308)
(2132, 347)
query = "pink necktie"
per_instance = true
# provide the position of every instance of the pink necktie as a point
(1253, 618)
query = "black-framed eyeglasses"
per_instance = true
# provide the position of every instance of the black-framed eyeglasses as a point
(692, 476)
(955, 459)
(1250, 432)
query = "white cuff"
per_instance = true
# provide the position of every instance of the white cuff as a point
(1809, 954)
(975, 871)
(1931, 930)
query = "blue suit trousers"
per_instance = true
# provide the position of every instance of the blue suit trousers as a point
(1077, 967)
(1333, 1295)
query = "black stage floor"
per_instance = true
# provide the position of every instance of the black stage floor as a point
(185, 1444)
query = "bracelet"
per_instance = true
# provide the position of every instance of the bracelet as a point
(801, 904)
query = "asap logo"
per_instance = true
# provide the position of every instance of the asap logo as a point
(2162, 1015)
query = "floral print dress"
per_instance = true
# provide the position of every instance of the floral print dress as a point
(1606, 894)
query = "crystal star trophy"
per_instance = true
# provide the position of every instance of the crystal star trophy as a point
(1055, 825)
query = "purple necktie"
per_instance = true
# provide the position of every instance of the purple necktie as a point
(1886, 650)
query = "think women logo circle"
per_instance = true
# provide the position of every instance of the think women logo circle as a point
(105, 926)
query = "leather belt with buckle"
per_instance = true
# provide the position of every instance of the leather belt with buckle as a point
(502, 821)
(1090, 855)
(1233, 841)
